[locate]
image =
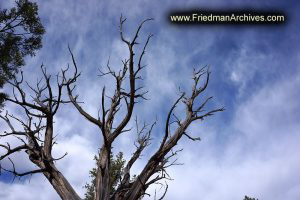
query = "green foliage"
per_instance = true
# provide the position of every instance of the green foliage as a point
(20, 35)
(90, 188)
(115, 171)
(249, 198)
(2, 97)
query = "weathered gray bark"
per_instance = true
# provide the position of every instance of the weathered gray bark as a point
(102, 189)
(61, 185)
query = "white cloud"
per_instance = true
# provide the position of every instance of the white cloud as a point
(258, 160)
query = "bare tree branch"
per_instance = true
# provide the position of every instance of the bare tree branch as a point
(37, 137)
(15, 173)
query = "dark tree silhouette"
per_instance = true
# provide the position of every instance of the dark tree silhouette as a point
(20, 35)
(249, 198)
(37, 138)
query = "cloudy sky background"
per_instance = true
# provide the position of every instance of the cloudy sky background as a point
(250, 149)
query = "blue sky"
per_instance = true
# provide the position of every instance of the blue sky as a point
(250, 149)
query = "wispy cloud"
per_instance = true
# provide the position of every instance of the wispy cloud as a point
(248, 150)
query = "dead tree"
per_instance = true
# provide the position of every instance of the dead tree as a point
(37, 139)
(37, 136)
